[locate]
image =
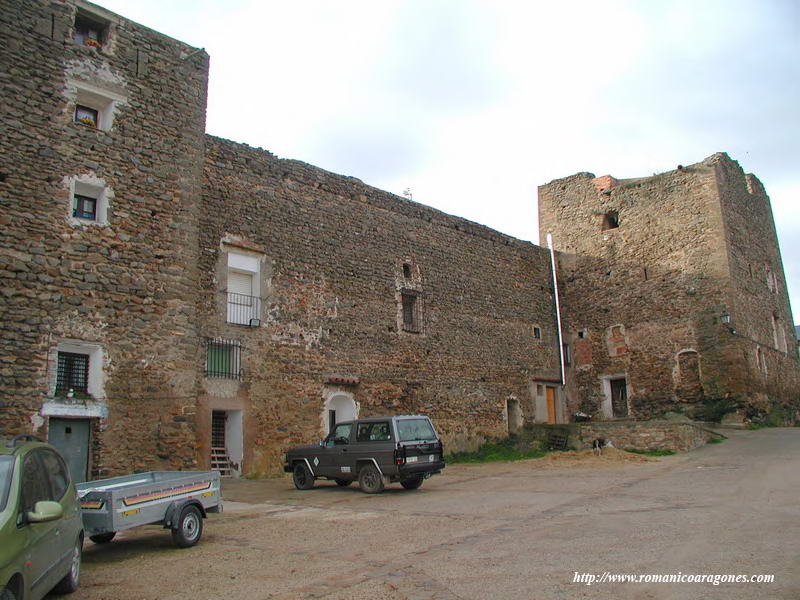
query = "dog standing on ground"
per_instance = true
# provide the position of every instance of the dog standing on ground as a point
(597, 446)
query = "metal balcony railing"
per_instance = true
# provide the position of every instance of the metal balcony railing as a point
(244, 310)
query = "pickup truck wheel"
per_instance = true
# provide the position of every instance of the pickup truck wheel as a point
(303, 479)
(103, 538)
(370, 480)
(189, 529)
(412, 483)
(70, 581)
(7, 594)
(343, 482)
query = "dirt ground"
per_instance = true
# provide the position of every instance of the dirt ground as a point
(501, 530)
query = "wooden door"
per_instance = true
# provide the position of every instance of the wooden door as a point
(551, 405)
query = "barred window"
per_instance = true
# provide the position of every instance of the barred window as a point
(223, 358)
(73, 373)
(410, 306)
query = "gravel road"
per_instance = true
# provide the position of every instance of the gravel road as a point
(502, 530)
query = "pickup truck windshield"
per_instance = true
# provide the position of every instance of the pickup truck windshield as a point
(412, 430)
(6, 467)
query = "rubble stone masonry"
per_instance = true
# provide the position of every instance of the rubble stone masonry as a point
(647, 295)
(334, 250)
(127, 285)
(225, 297)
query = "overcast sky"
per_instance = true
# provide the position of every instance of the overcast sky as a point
(473, 104)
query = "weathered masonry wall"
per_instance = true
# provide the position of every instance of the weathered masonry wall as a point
(123, 283)
(758, 298)
(650, 271)
(334, 251)
(645, 435)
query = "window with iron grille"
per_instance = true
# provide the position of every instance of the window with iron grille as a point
(410, 305)
(73, 373)
(223, 358)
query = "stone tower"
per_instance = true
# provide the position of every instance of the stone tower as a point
(102, 136)
(673, 292)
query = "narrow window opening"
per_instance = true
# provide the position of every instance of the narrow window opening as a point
(610, 220)
(537, 333)
(645, 274)
(87, 116)
(410, 309)
(583, 334)
(406, 270)
(567, 355)
(89, 31)
(84, 207)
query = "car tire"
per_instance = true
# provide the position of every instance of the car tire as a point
(343, 482)
(412, 483)
(190, 527)
(69, 583)
(302, 477)
(103, 538)
(7, 594)
(370, 480)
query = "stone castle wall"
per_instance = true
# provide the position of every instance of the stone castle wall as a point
(145, 287)
(334, 251)
(644, 300)
(127, 286)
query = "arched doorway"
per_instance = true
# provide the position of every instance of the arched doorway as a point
(339, 407)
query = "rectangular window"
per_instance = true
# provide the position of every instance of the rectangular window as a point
(567, 355)
(89, 31)
(84, 207)
(410, 308)
(244, 302)
(373, 432)
(415, 430)
(87, 116)
(223, 359)
(73, 373)
(537, 333)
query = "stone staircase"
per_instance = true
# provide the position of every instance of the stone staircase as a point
(220, 461)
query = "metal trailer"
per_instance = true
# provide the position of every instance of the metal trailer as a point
(179, 500)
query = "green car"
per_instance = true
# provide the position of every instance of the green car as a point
(41, 533)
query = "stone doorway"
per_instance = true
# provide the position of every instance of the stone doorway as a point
(514, 416)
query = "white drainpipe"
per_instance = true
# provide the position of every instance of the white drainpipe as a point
(558, 305)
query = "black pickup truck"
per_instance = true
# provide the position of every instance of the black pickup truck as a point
(374, 451)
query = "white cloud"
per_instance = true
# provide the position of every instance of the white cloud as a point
(473, 103)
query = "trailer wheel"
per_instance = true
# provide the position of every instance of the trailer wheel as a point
(189, 527)
(103, 538)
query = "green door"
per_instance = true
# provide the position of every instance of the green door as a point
(71, 438)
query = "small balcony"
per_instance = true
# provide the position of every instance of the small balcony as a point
(244, 310)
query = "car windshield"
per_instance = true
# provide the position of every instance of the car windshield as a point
(6, 468)
(411, 430)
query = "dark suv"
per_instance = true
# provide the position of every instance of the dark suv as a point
(374, 451)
